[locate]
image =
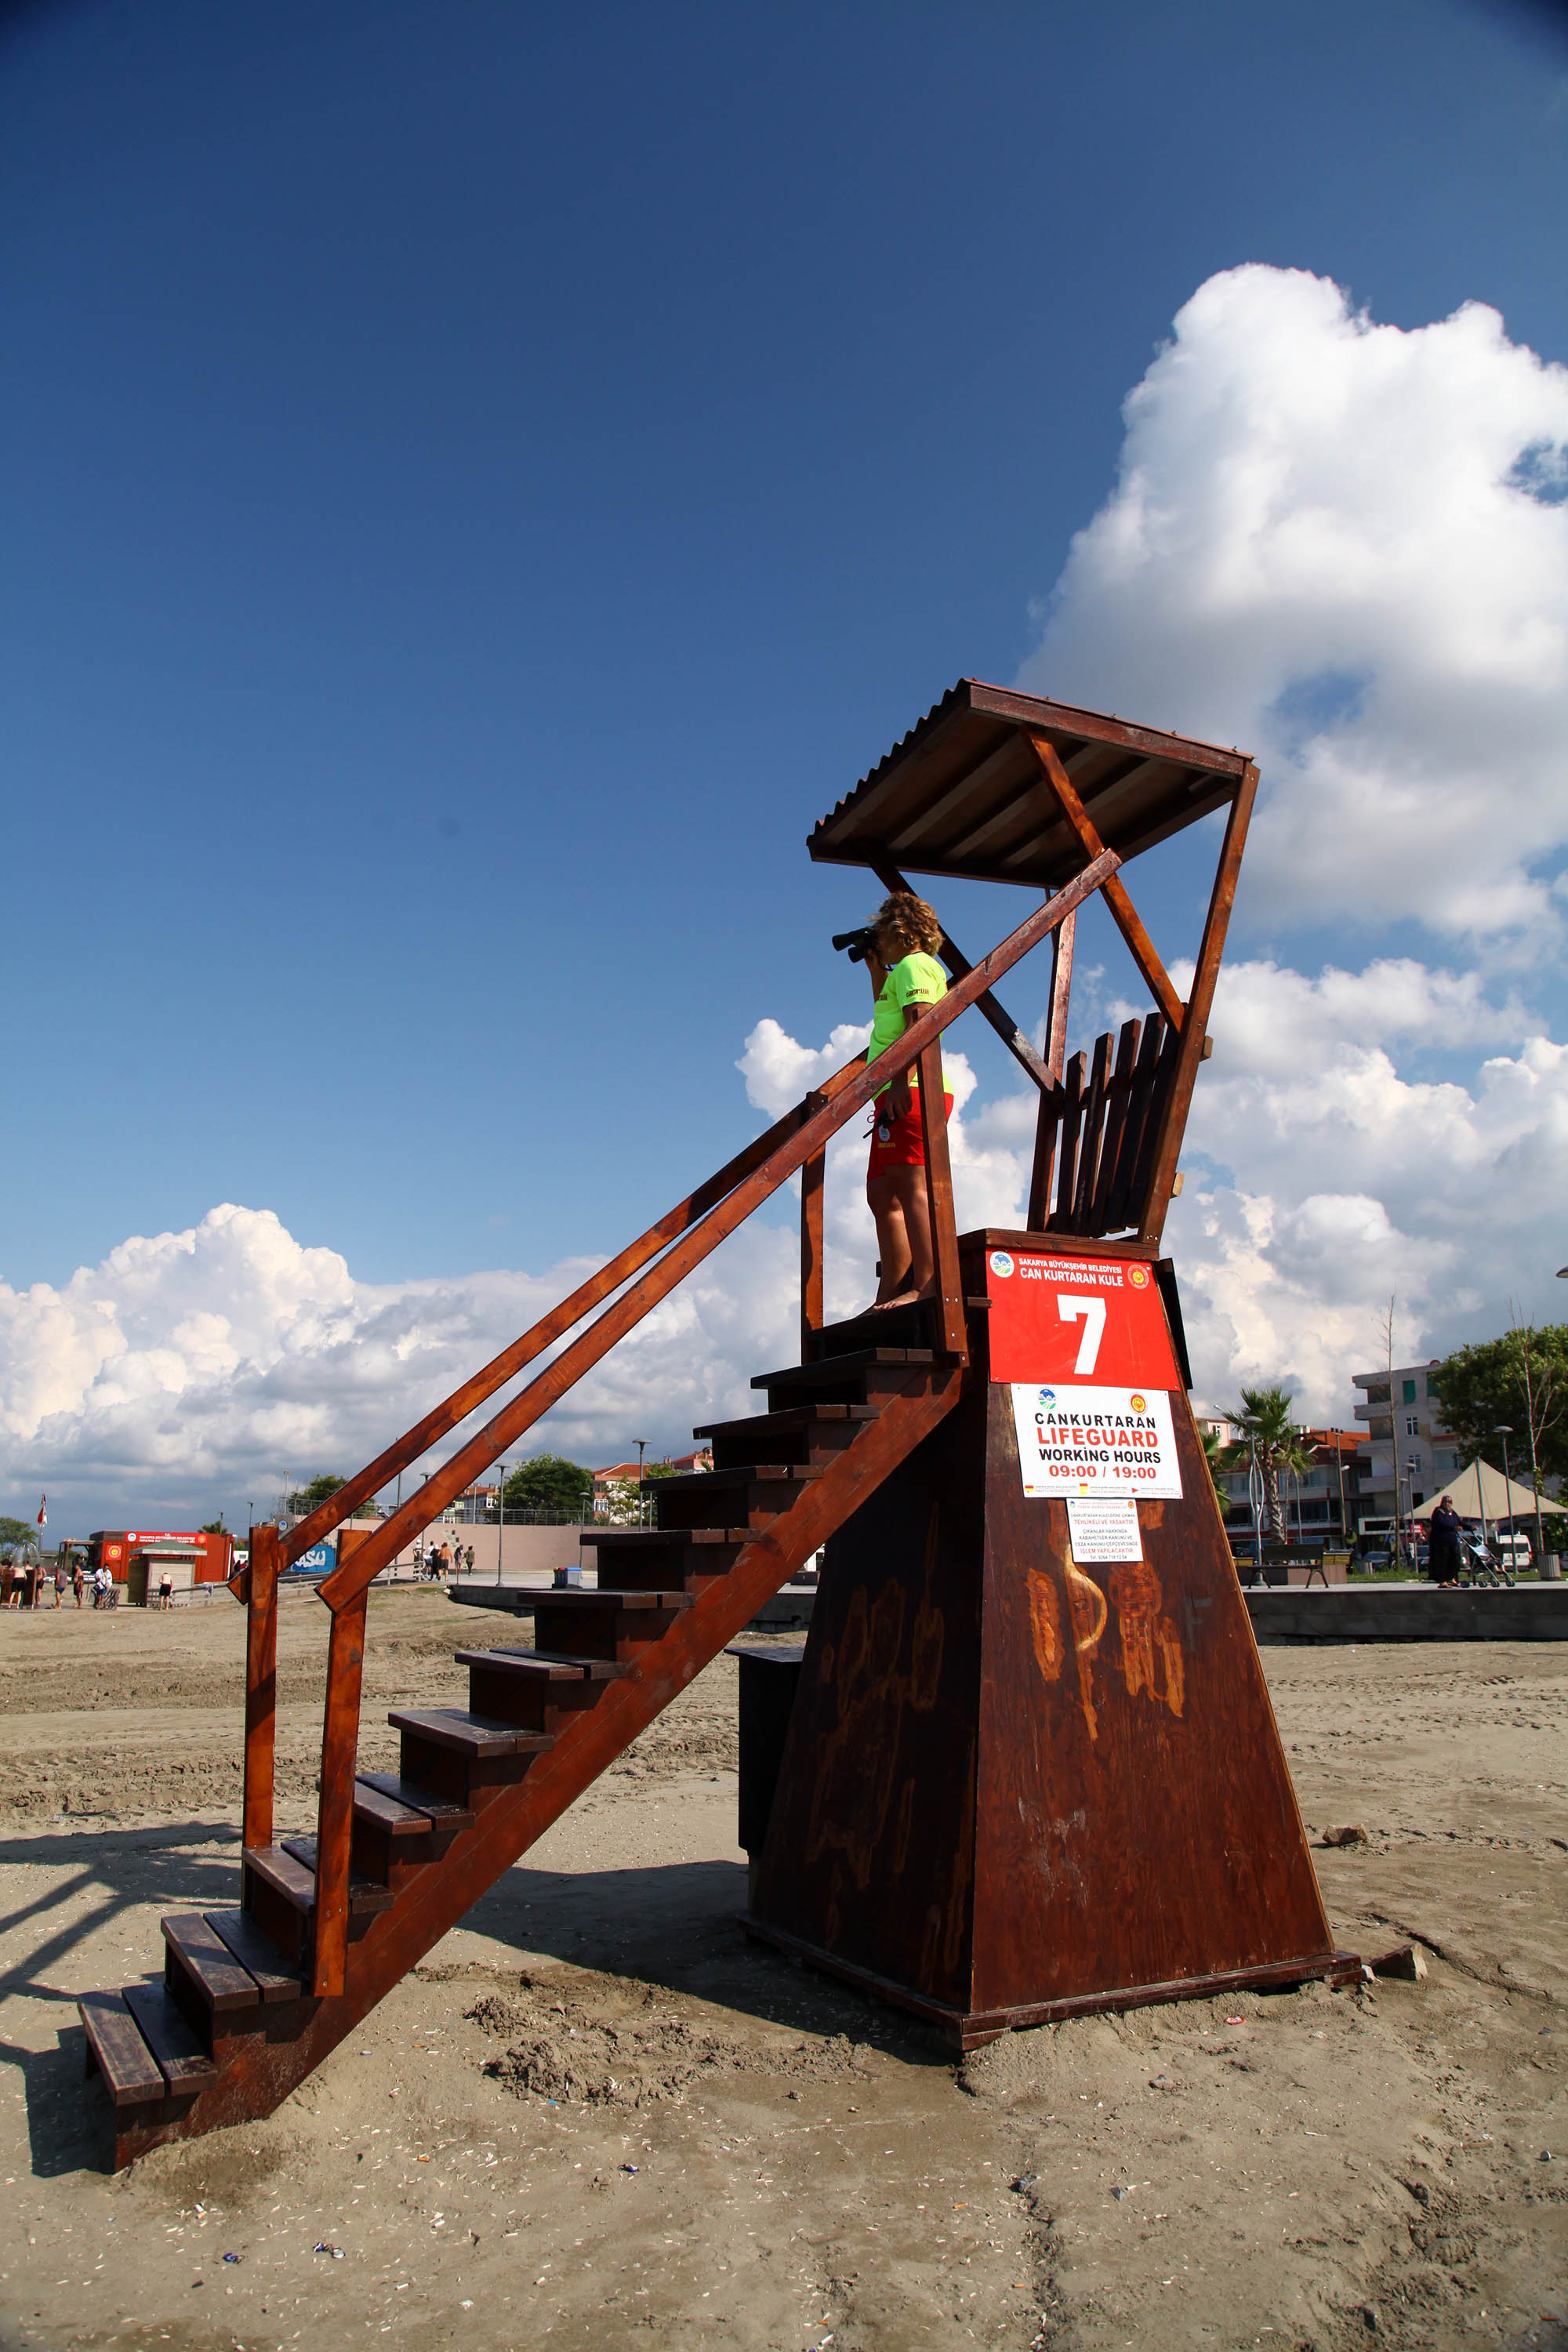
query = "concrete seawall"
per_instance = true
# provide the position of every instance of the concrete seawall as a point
(1410, 1612)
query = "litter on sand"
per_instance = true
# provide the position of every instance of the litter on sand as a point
(322, 2248)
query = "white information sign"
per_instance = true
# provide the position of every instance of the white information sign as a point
(1091, 1440)
(1103, 1528)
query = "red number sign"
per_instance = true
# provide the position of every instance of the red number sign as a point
(1066, 1319)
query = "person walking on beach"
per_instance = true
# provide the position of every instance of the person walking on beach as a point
(78, 1579)
(59, 1582)
(1443, 1544)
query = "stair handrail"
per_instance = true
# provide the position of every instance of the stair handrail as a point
(346, 1590)
(444, 1417)
(355, 1574)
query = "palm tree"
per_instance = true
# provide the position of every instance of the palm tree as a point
(1215, 1453)
(1273, 1437)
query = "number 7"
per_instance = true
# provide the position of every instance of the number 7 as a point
(1073, 1305)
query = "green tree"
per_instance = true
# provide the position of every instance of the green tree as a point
(549, 1482)
(214, 1527)
(322, 1485)
(1264, 1416)
(1520, 1378)
(16, 1531)
(1214, 1451)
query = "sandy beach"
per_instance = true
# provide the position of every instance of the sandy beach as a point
(598, 2116)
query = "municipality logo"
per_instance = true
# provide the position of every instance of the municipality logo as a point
(1137, 1404)
(1047, 1396)
(1138, 1276)
(1001, 1262)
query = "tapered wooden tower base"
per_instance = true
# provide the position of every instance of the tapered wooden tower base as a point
(1014, 1788)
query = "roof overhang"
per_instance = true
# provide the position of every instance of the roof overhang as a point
(963, 794)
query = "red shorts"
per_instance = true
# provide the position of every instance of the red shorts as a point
(906, 1145)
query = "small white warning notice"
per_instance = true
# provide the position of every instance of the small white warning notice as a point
(1103, 1528)
(1094, 1441)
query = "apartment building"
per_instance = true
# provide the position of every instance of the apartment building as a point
(1407, 1452)
(1320, 1503)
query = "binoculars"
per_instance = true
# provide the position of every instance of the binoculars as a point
(859, 944)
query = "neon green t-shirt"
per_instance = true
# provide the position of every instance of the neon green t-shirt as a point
(916, 979)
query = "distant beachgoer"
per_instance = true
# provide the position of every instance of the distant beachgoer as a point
(59, 1582)
(1443, 1544)
(469, 1559)
(78, 1581)
(166, 1590)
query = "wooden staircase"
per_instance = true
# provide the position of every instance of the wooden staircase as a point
(235, 2021)
(251, 1998)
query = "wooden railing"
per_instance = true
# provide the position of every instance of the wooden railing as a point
(686, 1236)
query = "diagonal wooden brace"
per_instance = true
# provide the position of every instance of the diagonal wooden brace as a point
(958, 964)
(1141, 947)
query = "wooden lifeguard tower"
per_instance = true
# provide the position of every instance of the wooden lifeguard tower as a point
(1030, 1766)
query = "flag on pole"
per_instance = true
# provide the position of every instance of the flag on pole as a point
(43, 1510)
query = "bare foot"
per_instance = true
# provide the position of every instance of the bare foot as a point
(902, 1298)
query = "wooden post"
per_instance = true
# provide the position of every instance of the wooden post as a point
(1050, 1111)
(939, 1200)
(1173, 1125)
(260, 1685)
(1127, 922)
(335, 1811)
(811, 1176)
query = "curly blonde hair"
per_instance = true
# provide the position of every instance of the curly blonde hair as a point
(910, 921)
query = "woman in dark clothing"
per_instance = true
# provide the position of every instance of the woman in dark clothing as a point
(1443, 1557)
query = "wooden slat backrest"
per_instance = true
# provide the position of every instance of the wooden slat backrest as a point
(1117, 1105)
(1148, 1143)
(1094, 1130)
(1122, 1202)
(1073, 1093)
(1047, 1119)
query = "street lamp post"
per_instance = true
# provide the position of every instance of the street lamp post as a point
(1254, 1497)
(500, 1519)
(642, 1445)
(1504, 1429)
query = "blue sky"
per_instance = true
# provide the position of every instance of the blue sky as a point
(480, 483)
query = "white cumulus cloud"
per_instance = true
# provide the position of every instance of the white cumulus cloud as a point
(1345, 547)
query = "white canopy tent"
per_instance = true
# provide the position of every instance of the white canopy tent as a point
(1480, 1492)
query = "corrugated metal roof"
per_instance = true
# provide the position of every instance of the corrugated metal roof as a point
(963, 794)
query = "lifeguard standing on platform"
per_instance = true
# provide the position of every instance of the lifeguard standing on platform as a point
(906, 978)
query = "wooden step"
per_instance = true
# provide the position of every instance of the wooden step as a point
(117, 2050)
(210, 1968)
(539, 1690)
(665, 1560)
(438, 1810)
(889, 1327)
(256, 1955)
(874, 1370)
(388, 1814)
(540, 1666)
(390, 1842)
(749, 1496)
(364, 1893)
(463, 1755)
(455, 1728)
(606, 1597)
(802, 1432)
(278, 1870)
(613, 1626)
(169, 2036)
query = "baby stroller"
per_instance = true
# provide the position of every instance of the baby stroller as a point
(1479, 1564)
